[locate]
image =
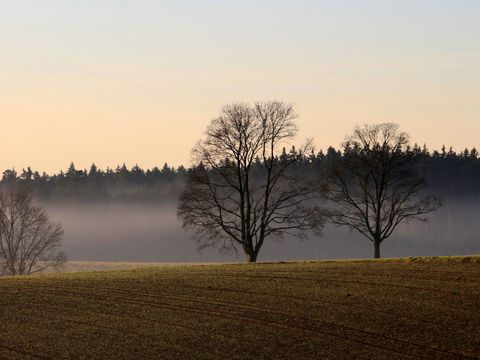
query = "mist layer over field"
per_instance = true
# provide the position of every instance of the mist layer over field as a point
(150, 232)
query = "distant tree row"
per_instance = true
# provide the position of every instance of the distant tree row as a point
(447, 172)
(96, 184)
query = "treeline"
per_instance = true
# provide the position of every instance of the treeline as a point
(448, 173)
(96, 184)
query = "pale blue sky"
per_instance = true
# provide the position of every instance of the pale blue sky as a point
(138, 81)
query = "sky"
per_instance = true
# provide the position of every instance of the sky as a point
(137, 81)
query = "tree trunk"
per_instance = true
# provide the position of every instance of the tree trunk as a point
(376, 245)
(252, 258)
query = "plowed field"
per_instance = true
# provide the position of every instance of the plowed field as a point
(394, 309)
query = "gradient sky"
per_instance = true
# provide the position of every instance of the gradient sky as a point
(137, 81)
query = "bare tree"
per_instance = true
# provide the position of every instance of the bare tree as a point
(375, 185)
(29, 242)
(239, 192)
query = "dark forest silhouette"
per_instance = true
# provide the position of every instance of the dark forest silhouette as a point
(448, 173)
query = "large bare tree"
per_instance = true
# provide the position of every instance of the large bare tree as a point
(29, 242)
(375, 185)
(239, 192)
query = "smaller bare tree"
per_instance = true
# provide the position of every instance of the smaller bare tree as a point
(29, 242)
(375, 185)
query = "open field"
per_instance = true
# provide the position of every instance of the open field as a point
(412, 308)
(81, 266)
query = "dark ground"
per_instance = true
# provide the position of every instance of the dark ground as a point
(396, 309)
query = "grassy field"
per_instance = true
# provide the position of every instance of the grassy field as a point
(414, 308)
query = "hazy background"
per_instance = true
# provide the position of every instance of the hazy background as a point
(150, 233)
(113, 81)
(137, 81)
